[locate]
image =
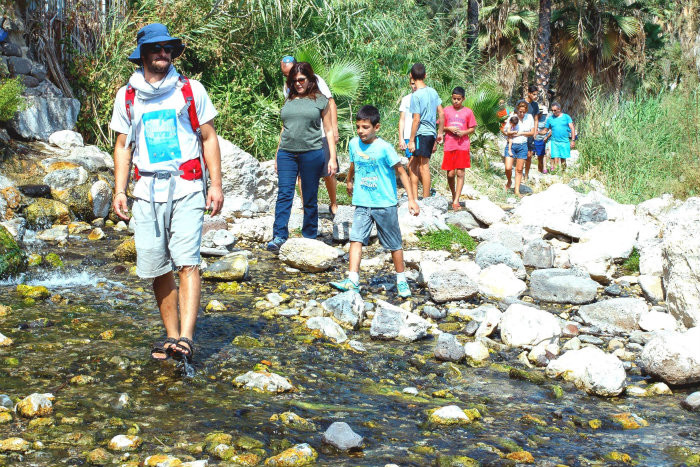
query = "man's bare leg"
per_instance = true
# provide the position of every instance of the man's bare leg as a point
(190, 291)
(166, 296)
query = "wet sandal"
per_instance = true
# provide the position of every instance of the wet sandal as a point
(162, 349)
(181, 352)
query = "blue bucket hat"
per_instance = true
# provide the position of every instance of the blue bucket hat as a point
(152, 34)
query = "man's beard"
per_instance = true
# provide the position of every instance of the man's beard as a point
(158, 67)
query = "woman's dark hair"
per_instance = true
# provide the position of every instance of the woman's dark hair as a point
(520, 103)
(305, 69)
(459, 91)
(514, 120)
(368, 112)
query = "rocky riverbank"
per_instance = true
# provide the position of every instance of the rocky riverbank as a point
(536, 347)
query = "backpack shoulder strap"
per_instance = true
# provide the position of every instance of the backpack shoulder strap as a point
(129, 97)
(189, 101)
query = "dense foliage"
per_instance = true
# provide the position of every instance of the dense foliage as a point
(627, 51)
(10, 98)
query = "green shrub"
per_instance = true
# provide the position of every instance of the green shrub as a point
(645, 146)
(444, 239)
(11, 100)
(631, 264)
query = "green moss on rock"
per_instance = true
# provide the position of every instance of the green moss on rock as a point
(12, 258)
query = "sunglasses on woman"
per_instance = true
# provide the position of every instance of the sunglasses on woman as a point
(299, 80)
(156, 48)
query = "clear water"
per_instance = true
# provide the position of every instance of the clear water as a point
(55, 340)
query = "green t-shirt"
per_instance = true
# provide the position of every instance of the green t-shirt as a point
(301, 120)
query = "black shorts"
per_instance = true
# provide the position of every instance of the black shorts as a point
(424, 145)
(531, 143)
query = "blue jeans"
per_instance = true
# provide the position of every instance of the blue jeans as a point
(309, 166)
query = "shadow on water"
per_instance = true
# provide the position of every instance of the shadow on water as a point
(100, 323)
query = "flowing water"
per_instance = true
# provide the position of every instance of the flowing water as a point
(101, 322)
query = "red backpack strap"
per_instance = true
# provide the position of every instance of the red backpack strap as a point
(129, 97)
(189, 101)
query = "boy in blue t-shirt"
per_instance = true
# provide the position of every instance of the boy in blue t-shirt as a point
(371, 180)
(426, 107)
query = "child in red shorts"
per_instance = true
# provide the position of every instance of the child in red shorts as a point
(459, 124)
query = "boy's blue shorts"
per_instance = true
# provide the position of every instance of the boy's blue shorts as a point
(387, 221)
(540, 147)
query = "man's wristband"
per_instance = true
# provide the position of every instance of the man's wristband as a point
(119, 193)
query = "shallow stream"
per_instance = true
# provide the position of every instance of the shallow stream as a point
(93, 294)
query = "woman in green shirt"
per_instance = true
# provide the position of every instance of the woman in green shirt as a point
(300, 152)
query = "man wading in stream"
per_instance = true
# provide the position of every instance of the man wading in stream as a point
(166, 121)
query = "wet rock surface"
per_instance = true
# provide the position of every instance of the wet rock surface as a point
(543, 367)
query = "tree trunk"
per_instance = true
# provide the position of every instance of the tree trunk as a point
(543, 51)
(472, 24)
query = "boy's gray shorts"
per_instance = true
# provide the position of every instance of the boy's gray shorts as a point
(387, 220)
(155, 256)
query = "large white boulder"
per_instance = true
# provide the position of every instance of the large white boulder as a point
(499, 281)
(392, 322)
(616, 315)
(484, 211)
(445, 286)
(590, 369)
(562, 286)
(431, 265)
(257, 229)
(66, 139)
(559, 201)
(308, 254)
(45, 115)
(328, 328)
(673, 356)
(528, 326)
(681, 267)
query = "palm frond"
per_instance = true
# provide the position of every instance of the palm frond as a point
(345, 78)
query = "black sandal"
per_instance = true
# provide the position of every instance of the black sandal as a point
(181, 352)
(161, 348)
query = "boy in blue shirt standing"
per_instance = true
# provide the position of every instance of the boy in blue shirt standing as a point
(426, 107)
(371, 180)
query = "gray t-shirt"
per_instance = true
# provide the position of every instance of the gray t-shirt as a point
(302, 123)
(424, 101)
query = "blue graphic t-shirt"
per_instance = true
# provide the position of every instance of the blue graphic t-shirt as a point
(560, 127)
(375, 180)
(160, 130)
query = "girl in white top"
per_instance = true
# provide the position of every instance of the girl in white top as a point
(519, 135)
